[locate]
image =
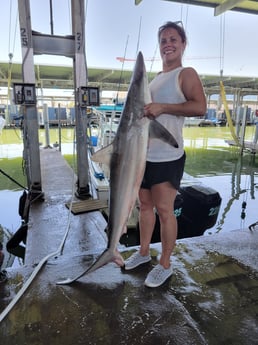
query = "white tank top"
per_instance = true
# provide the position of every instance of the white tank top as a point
(165, 88)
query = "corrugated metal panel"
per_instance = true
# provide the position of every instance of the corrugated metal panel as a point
(244, 6)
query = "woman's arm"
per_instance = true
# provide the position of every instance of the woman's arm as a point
(192, 89)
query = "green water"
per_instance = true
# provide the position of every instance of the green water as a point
(209, 158)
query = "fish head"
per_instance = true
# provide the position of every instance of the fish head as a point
(138, 94)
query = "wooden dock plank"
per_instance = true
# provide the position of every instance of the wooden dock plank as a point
(84, 206)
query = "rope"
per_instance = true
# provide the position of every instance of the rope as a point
(13, 180)
(222, 89)
(229, 120)
(28, 282)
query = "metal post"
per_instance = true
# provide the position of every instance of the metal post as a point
(243, 127)
(238, 120)
(71, 46)
(80, 79)
(46, 125)
(256, 133)
(31, 140)
(59, 127)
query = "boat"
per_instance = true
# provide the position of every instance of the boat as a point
(207, 123)
(196, 208)
(200, 122)
(192, 121)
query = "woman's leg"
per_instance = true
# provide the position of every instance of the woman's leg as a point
(146, 220)
(163, 196)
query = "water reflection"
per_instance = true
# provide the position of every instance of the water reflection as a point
(10, 221)
(250, 170)
(235, 177)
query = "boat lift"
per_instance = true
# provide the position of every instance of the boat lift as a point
(72, 46)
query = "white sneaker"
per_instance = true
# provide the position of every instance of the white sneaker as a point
(136, 260)
(158, 275)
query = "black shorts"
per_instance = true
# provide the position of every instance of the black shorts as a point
(159, 172)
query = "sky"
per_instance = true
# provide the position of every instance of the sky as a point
(118, 28)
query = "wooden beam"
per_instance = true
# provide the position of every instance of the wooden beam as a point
(225, 6)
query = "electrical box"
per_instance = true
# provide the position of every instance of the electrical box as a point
(24, 93)
(88, 96)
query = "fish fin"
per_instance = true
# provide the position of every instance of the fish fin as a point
(118, 259)
(102, 260)
(106, 257)
(157, 130)
(103, 155)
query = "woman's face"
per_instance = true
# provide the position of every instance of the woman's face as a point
(171, 47)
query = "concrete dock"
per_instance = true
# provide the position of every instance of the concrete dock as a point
(211, 298)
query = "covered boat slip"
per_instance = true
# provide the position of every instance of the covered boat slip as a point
(214, 277)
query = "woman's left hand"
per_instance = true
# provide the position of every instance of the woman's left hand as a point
(153, 109)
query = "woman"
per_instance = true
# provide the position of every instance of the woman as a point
(176, 93)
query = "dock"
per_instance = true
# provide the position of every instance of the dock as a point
(211, 298)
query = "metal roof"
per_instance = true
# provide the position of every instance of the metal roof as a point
(112, 79)
(221, 6)
(49, 76)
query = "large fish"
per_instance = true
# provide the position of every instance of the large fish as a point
(126, 157)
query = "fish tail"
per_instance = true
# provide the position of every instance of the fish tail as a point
(118, 259)
(107, 256)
